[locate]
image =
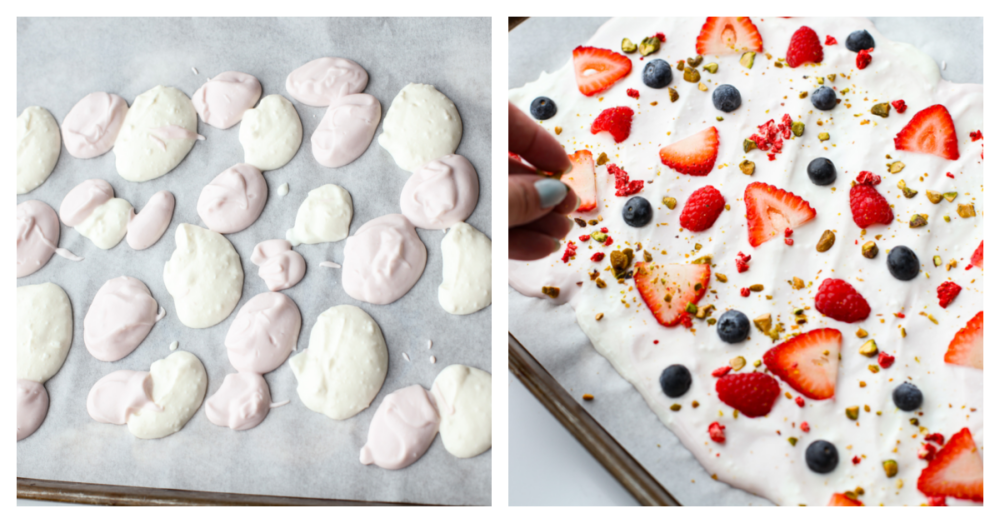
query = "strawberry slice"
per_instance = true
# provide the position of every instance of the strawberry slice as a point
(723, 35)
(582, 180)
(771, 210)
(694, 155)
(930, 131)
(966, 348)
(808, 362)
(607, 68)
(956, 471)
(977, 257)
(667, 289)
(841, 500)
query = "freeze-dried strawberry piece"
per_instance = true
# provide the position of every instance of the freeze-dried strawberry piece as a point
(623, 187)
(716, 431)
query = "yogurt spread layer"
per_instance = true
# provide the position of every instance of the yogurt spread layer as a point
(703, 202)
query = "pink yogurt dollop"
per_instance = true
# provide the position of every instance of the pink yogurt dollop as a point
(37, 236)
(121, 315)
(264, 333)
(441, 193)
(234, 199)
(403, 428)
(147, 227)
(241, 403)
(280, 267)
(91, 126)
(80, 202)
(323, 80)
(32, 405)
(119, 394)
(346, 130)
(221, 101)
(383, 260)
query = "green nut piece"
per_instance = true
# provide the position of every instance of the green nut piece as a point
(869, 349)
(680, 65)
(749, 145)
(845, 90)
(793, 440)
(649, 45)
(852, 412)
(670, 202)
(918, 220)
(798, 128)
(747, 167)
(704, 260)
(881, 110)
(628, 46)
(832, 77)
(869, 250)
(803, 94)
(599, 237)
(937, 261)
(873, 369)
(896, 167)
(819, 80)
(696, 61)
(718, 118)
(935, 197)
(712, 68)
(890, 467)
(691, 308)
(907, 192)
(826, 241)
(619, 260)
(950, 196)
(824, 137)
(673, 94)
(691, 75)
(967, 210)
(779, 65)
(747, 59)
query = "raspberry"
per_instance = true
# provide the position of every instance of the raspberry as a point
(804, 426)
(570, 252)
(721, 371)
(804, 47)
(868, 207)
(623, 187)
(585, 237)
(616, 120)
(855, 460)
(936, 438)
(831, 40)
(800, 402)
(789, 242)
(900, 106)
(927, 452)
(598, 256)
(751, 393)
(661, 37)
(885, 360)
(946, 293)
(742, 264)
(864, 58)
(717, 432)
(604, 230)
(838, 300)
(632, 93)
(788, 232)
(609, 241)
(745, 292)
(976, 135)
(702, 209)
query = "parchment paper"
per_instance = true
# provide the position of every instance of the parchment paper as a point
(295, 451)
(551, 333)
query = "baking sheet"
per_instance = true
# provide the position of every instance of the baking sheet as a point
(295, 451)
(551, 333)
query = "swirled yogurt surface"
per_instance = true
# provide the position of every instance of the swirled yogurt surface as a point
(440, 193)
(280, 267)
(346, 129)
(204, 275)
(94, 212)
(179, 384)
(91, 126)
(120, 394)
(159, 130)
(234, 199)
(403, 428)
(271, 133)
(221, 101)
(906, 320)
(37, 237)
(146, 228)
(467, 270)
(345, 365)
(422, 124)
(32, 406)
(464, 398)
(121, 315)
(44, 330)
(383, 260)
(264, 333)
(324, 216)
(38, 145)
(324, 80)
(241, 403)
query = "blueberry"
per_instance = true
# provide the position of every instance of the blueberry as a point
(733, 326)
(637, 212)
(726, 98)
(859, 40)
(822, 172)
(675, 381)
(824, 98)
(907, 397)
(543, 108)
(821, 456)
(657, 74)
(903, 263)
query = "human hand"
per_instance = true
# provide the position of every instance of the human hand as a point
(537, 205)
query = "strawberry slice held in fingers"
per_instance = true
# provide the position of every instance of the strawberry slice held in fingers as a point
(956, 470)
(966, 348)
(598, 69)
(668, 289)
(694, 155)
(930, 131)
(582, 179)
(808, 362)
(722, 35)
(771, 210)
(841, 500)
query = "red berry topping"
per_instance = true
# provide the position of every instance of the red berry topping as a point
(788, 232)
(808, 362)
(723, 35)
(702, 208)
(966, 348)
(598, 256)
(789, 242)
(804, 426)
(830, 40)
(721, 371)
(609, 241)
(956, 470)
(771, 210)
(927, 452)
(801, 403)
(605, 229)
(694, 155)
(616, 120)
(935, 437)
(751, 393)
(667, 289)
(804, 47)
(608, 67)
(623, 187)
(900, 106)
(632, 93)
(976, 135)
(936, 501)
(569, 252)
(946, 293)
(770, 137)
(868, 206)
(742, 262)
(930, 131)
(841, 500)
(717, 432)
(899, 315)
(864, 58)
(582, 180)
(584, 237)
(856, 460)
(838, 300)
(745, 292)
(977, 258)
(661, 37)
(885, 360)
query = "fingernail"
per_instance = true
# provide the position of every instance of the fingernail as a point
(578, 202)
(556, 245)
(550, 192)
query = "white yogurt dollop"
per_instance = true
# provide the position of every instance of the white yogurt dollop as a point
(467, 284)
(44, 331)
(38, 145)
(179, 384)
(204, 275)
(464, 398)
(271, 133)
(159, 130)
(422, 124)
(324, 216)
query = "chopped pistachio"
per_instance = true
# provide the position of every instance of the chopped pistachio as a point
(551, 292)
(779, 65)
(711, 321)
(896, 167)
(803, 94)
(881, 110)
(675, 407)
(757, 287)
(763, 322)
(824, 137)
(599, 316)
(797, 283)
(819, 80)
(695, 61)
(861, 333)
(599, 237)
(890, 467)
(950, 196)
(749, 145)
(670, 202)
(832, 77)
(704, 311)
(673, 94)
(602, 159)
(649, 45)
(619, 260)
(826, 241)
(721, 277)
(798, 128)
(918, 220)
(717, 118)
(869, 250)
(967, 210)
(747, 59)
(868, 349)
(712, 68)
(691, 75)
(937, 261)
(691, 308)
(601, 284)
(680, 65)
(704, 88)
(934, 196)
(592, 222)
(873, 368)
(558, 130)
(737, 363)
(647, 257)
(628, 47)
(747, 167)
(704, 260)
(758, 363)
(793, 440)
(852, 412)
(947, 218)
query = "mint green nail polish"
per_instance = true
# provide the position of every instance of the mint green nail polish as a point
(550, 192)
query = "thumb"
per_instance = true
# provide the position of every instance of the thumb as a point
(530, 197)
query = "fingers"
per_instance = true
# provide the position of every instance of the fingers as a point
(516, 167)
(530, 197)
(556, 226)
(529, 245)
(534, 144)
